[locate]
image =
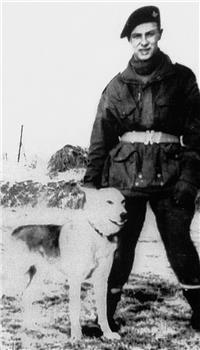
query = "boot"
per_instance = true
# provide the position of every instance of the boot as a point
(193, 298)
(112, 301)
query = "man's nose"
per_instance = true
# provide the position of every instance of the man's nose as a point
(144, 40)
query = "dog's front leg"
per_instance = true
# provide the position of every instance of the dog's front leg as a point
(100, 290)
(75, 307)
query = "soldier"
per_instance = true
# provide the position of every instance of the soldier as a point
(146, 142)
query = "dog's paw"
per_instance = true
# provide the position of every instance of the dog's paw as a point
(74, 339)
(112, 335)
(29, 323)
(75, 336)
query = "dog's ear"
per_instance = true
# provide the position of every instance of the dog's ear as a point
(90, 195)
(88, 190)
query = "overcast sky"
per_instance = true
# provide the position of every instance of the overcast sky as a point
(58, 57)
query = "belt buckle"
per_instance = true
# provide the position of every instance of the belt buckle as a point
(149, 137)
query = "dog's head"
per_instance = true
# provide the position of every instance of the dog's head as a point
(105, 210)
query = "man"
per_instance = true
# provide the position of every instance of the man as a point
(146, 142)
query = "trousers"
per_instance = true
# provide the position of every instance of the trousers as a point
(173, 223)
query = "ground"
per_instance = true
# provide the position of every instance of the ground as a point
(152, 310)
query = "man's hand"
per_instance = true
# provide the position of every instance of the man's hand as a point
(184, 194)
(89, 185)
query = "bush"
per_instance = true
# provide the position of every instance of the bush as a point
(68, 157)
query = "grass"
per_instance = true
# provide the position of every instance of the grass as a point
(153, 310)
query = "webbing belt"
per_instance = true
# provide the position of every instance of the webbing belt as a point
(149, 137)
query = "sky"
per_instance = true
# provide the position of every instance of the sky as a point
(58, 56)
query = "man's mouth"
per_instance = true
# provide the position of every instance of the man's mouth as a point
(144, 51)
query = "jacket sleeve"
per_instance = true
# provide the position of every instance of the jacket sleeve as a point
(191, 137)
(103, 138)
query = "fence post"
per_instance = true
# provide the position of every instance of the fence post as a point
(20, 144)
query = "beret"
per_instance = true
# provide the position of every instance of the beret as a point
(142, 15)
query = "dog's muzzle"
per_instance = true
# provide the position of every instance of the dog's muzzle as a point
(123, 217)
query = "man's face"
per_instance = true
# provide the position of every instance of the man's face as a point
(144, 40)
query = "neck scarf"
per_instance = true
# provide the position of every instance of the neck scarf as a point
(149, 66)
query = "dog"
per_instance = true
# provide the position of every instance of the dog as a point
(82, 248)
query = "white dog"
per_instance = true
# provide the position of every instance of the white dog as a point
(82, 247)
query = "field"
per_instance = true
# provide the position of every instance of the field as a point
(152, 310)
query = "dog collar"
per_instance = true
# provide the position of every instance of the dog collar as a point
(111, 238)
(96, 229)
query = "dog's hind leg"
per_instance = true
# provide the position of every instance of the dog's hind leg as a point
(30, 314)
(75, 306)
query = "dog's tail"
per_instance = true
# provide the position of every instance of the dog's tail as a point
(17, 230)
(31, 272)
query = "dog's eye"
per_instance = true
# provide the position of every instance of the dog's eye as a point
(109, 202)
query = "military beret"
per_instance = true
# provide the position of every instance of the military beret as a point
(142, 15)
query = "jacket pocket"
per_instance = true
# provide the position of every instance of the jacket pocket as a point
(127, 110)
(121, 167)
(166, 110)
(170, 159)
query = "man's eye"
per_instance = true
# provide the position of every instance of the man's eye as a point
(151, 34)
(136, 36)
(109, 202)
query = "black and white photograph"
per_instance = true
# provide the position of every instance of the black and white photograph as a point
(100, 175)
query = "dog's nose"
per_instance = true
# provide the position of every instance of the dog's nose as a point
(123, 216)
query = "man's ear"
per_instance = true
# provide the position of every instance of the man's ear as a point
(161, 31)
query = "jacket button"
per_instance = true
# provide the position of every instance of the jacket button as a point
(159, 175)
(161, 183)
(140, 176)
(137, 183)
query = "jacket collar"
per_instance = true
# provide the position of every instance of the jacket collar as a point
(129, 75)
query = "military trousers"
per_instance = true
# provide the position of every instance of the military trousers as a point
(173, 224)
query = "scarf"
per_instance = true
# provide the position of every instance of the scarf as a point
(149, 66)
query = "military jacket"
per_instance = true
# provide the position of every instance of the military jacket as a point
(138, 167)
